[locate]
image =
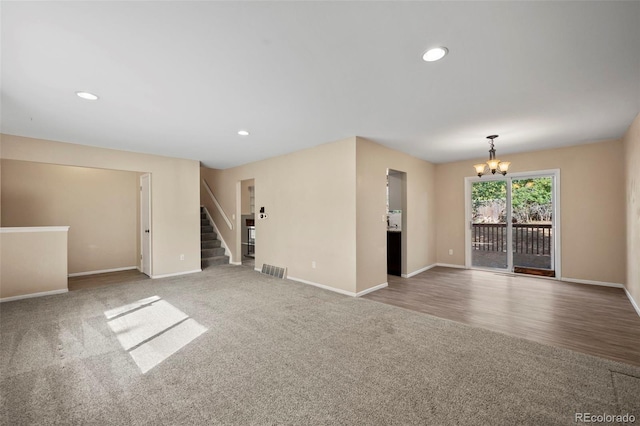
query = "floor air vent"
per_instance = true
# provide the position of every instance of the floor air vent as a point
(274, 271)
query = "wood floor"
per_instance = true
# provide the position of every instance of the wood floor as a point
(109, 278)
(595, 320)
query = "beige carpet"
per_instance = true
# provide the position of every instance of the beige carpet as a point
(231, 346)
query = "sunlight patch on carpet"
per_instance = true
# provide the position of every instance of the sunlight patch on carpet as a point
(112, 313)
(152, 330)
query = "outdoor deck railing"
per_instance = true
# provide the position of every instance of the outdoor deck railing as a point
(527, 238)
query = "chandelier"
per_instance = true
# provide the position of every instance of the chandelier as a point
(493, 163)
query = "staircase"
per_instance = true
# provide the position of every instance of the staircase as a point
(211, 252)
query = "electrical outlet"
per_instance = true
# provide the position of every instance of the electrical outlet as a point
(313, 264)
(182, 257)
(450, 252)
(384, 218)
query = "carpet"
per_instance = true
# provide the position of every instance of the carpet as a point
(272, 351)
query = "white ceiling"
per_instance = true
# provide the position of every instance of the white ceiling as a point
(181, 78)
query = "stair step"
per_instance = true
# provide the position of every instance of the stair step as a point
(206, 229)
(215, 260)
(204, 222)
(208, 236)
(203, 216)
(209, 244)
(211, 252)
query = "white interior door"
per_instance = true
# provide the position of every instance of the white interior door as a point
(145, 223)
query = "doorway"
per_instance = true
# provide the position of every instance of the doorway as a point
(145, 224)
(513, 223)
(247, 222)
(396, 221)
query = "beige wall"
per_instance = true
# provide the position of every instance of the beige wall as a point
(419, 236)
(246, 198)
(174, 193)
(32, 262)
(326, 204)
(395, 191)
(592, 208)
(309, 197)
(99, 205)
(631, 145)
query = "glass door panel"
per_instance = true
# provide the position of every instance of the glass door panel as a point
(489, 224)
(532, 225)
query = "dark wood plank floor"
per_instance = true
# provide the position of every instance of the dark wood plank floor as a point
(594, 320)
(109, 278)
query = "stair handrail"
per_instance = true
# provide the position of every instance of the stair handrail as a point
(217, 204)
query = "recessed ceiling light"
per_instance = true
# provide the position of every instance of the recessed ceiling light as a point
(88, 96)
(435, 54)
(243, 133)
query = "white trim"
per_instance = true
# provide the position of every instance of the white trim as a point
(235, 263)
(15, 229)
(337, 290)
(633, 302)
(451, 265)
(238, 219)
(227, 252)
(322, 286)
(102, 271)
(419, 271)
(591, 282)
(149, 220)
(372, 289)
(175, 274)
(30, 295)
(467, 221)
(557, 220)
(217, 204)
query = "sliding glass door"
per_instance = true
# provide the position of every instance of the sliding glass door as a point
(512, 223)
(532, 225)
(489, 224)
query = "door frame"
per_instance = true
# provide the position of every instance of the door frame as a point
(237, 218)
(404, 248)
(555, 174)
(146, 176)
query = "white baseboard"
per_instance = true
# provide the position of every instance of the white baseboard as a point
(176, 274)
(426, 268)
(103, 271)
(322, 286)
(591, 282)
(451, 265)
(29, 296)
(414, 273)
(235, 263)
(633, 302)
(372, 289)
